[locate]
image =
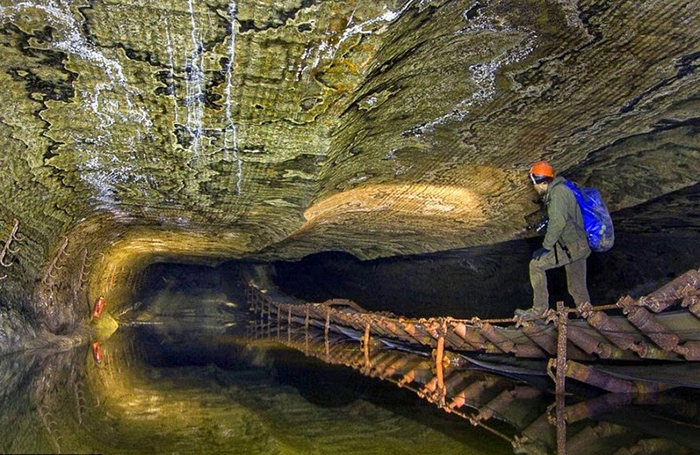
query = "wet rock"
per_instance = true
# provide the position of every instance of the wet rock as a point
(228, 129)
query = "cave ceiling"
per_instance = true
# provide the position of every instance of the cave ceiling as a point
(376, 127)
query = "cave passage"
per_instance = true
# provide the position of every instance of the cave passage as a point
(305, 226)
(183, 372)
(180, 376)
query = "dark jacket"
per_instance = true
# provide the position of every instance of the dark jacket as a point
(565, 220)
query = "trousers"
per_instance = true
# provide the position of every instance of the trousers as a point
(575, 265)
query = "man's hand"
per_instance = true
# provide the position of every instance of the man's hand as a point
(538, 226)
(539, 253)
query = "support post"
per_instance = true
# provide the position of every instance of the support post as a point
(560, 383)
(279, 321)
(365, 344)
(269, 318)
(439, 356)
(261, 325)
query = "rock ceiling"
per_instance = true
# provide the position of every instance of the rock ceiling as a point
(280, 128)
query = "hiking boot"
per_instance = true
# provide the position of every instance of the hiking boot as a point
(531, 312)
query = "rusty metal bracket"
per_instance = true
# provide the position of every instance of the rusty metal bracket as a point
(13, 237)
(610, 330)
(49, 276)
(499, 340)
(667, 295)
(590, 375)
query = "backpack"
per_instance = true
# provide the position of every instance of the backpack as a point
(596, 218)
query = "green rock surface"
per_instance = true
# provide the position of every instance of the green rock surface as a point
(204, 129)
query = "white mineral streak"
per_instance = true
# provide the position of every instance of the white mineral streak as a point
(302, 68)
(58, 15)
(194, 82)
(483, 75)
(367, 27)
(101, 171)
(319, 53)
(230, 133)
(324, 51)
(171, 57)
(103, 178)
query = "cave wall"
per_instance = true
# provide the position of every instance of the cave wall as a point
(653, 245)
(266, 130)
(488, 282)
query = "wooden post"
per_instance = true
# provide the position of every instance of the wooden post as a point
(560, 383)
(365, 343)
(269, 318)
(279, 321)
(439, 356)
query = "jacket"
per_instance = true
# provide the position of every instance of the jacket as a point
(565, 220)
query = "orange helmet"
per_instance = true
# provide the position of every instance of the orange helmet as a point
(541, 170)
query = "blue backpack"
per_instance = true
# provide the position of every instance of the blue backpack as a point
(596, 218)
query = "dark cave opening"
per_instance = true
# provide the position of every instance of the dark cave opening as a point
(488, 282)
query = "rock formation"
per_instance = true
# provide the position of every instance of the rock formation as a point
(138, 132)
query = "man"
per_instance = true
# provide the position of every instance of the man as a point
(565, 243)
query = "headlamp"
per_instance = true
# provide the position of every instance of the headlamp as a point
(537, 179)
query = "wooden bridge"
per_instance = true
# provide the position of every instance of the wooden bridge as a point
(606, 347)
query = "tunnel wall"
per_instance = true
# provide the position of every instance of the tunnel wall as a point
(655, 242)
(46, 294)
(444, 100)
(485, 281)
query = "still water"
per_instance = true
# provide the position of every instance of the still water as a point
(141, 392)
(190, 381)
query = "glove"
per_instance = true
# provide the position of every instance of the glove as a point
(539, 253)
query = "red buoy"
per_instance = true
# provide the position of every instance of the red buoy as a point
(96, 352)
(99, 307)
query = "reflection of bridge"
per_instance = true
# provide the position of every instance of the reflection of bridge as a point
(484, 398)
(442, 348)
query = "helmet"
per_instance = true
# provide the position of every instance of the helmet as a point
(541, 171)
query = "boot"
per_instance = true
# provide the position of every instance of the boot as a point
(531, 312)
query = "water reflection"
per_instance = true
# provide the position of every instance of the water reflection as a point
(142, 392)
(164, 387)
(592, 422)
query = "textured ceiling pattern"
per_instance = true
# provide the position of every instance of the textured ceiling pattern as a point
(377, 127)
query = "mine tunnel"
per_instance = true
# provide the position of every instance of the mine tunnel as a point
(312, 226)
